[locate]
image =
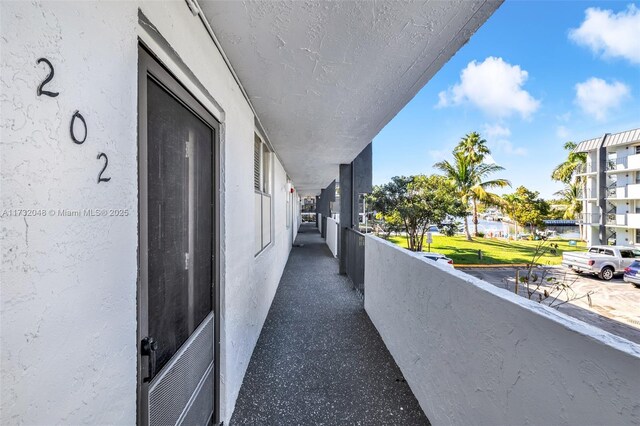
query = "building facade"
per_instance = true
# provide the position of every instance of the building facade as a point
(611, 191)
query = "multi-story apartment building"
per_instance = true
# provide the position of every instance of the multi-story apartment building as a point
(611, 192)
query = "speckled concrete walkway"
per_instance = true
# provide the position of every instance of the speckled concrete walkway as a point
(319, 359)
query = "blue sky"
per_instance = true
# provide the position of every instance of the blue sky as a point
(536, 75)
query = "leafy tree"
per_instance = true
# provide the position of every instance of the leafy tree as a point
(558, 210)
(527, 208)
(419, 201)
(469, 179)
(389, 223)
(450, 229)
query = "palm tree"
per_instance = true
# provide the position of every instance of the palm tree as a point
(574, 164)
(567, 173)
(469, 179)
(571, 196)
(473, 146)
(461, 175)
(479, 190)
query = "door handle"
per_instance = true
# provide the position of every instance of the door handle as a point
(148, 347)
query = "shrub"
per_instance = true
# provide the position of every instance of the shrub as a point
(450, 229)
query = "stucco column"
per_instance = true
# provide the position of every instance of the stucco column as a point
(346, 211)
(601, 184)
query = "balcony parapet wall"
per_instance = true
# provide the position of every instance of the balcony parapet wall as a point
(333, 229)
(477, 354)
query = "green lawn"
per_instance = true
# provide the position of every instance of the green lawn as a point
(495, 251)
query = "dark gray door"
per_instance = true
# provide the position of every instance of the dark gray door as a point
(177, 253)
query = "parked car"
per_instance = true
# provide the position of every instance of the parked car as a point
(440, 258)
(632, 273)
(603, 261)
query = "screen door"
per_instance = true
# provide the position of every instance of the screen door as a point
(177, 235)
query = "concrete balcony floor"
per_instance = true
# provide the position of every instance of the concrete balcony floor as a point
(319, 359)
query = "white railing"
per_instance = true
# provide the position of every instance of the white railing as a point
(591, 193)
(590, 218)
(333, 229)
(477, 354)
(586, 168)
(633, 220)
(633, 161)
(621, 164)
(633, 191)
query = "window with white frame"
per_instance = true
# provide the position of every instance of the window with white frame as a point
(262, 197)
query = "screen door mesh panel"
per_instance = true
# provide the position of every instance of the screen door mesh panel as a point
(180, 220)
(172, 390)
(201, 408)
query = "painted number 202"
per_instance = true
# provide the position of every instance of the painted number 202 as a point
(76, 118)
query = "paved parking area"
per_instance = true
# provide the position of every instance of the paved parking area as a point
(615, 304)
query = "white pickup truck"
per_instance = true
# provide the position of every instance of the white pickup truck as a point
(604, 261)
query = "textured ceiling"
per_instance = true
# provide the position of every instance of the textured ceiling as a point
(325, 77)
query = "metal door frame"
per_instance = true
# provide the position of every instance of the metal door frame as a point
(150, 65)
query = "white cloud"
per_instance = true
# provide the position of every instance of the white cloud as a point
(443, 100)
(562, 132)
(612, 35)
(494, 86)
(507, 147)
(597, 98)
(498, 139)
(496, 130)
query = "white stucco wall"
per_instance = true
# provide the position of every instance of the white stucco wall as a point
(332, 235)
(68, 310)
(476, 354)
